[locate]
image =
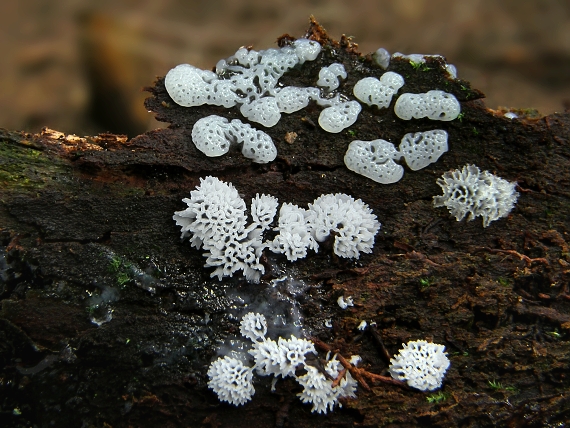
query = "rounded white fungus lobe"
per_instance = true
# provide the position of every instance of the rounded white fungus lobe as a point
(187, 85)
(291, 98)
(339, 116)
(213, 136)
(209, 135)
(306, 50)
(435, 105)
(374, 160)
(376, 92)
(263, 110)
(423, 148)
(328, 76)
(382, 58)
(451, 70)
(257, 145)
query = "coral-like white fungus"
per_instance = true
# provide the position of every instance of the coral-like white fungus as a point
(435, 105)
(328, 76)
(376, 92)
(347, 384)
(216, 221)
(263, 210)
(267, 357)
(423, 148)
(355, 359)
(320, 392)
(253, 326)
(213, 135)
(374, 160)
(420, 364)
(293, 353)
(231, 380)
(472, 193)
(317, 390)
(294, 238)
(352, 221)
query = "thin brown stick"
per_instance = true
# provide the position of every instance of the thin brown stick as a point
(527, 259)
(359, 374)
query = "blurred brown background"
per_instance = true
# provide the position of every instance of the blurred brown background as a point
(79, 66)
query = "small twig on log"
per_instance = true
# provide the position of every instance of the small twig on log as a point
(414, 255)
(527, 259)
(339, 378)
(523, 190)
(378, 339)
(359, 374)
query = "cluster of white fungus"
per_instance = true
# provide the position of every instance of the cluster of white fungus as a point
(250, 79)
(232, 380)
(216, 221)
(422, 365)
(377, 159)
(472, 193)
(213, 135)
(435, 105)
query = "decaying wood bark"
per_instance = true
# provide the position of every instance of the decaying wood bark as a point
(107, 319)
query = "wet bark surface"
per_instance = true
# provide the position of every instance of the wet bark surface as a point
(108, 319)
